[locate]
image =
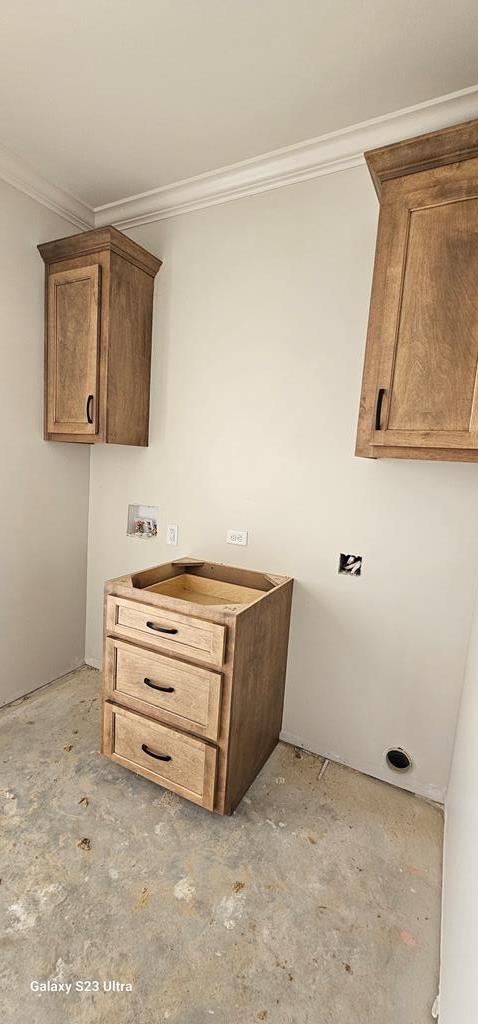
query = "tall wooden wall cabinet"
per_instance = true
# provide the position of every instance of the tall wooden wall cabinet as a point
(98, 320)
(420, 385)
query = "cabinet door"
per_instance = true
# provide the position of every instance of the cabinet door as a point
(426, 323)
(73, 350)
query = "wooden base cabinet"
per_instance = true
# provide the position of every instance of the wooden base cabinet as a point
(98, 322)
(420, 384)
(194, 672)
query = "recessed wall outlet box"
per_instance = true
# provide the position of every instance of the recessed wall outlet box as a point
(350, 565)
(171, 535)
(143, 521)
(236, 537)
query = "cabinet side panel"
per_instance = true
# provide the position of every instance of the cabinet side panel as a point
(129, 353)
(260, 661)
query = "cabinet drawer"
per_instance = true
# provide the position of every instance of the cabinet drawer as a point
(181, 763)
(153, 684)
(171, 631)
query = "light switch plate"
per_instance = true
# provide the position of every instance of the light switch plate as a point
(236, 537)
(171, 535)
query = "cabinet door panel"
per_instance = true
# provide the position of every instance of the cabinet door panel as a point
(73, 350)
(427, 381)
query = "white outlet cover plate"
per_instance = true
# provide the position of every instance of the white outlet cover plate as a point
(236, 537)
(172, 535)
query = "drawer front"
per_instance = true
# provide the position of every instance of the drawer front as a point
(181, 763)
(181, 694)
(170, 631)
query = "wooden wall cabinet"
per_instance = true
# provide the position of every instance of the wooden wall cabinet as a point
(420, 387)
(194, 672)
(98, 322)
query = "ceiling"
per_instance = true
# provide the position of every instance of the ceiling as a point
(109, 98)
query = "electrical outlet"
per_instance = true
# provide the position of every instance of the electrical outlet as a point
(171, 535)
(236, 537)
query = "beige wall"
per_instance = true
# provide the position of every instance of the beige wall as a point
(459, 991)
(43, 487)
(260, 321)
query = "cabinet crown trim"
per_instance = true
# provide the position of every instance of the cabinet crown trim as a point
(100, 240)
(435, 149)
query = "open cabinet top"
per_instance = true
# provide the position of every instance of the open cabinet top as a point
(207, 584)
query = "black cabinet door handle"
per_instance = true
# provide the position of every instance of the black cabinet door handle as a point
(378, 408)
(89, 403)
(151, 753)
(161, 629)
(156, 686)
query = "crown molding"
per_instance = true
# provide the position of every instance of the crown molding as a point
(23, 177)
(327, 154)
(336, 151)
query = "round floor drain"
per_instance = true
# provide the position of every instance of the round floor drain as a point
(398, 760)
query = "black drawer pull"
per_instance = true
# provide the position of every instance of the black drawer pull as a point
(151, 753)
(156, 686)
(378, 410)
(161, 629)
(89, 403)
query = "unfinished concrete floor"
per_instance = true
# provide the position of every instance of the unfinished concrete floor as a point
(317, 903)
